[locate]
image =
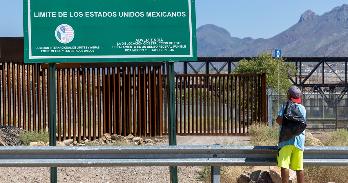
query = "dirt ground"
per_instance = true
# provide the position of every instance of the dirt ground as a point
(202, 140)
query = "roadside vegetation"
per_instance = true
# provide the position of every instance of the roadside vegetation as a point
(329, 174)
(31, 136)
(275, 69)
(262, 135)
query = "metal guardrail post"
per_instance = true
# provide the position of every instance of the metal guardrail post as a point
(215, 174)
(52, 114)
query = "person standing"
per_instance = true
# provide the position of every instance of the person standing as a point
(291, 141)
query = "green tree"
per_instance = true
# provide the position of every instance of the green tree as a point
(274, 68)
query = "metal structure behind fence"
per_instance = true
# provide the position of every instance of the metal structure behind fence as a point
(323, 79)
(219, 104)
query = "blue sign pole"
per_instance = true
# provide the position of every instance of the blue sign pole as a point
(278, 56)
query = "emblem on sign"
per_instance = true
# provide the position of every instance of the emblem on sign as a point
(64, 33)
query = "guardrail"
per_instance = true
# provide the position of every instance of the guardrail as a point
(197, 155)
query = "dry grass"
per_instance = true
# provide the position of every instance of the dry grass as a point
(337, 138)
(228, 174)
(330, 174)
(326, 174)
(260, 135)
(263, 135)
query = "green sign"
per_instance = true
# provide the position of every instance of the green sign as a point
(109, 30)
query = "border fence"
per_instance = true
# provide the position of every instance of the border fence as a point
(219, 104)
(126, 99)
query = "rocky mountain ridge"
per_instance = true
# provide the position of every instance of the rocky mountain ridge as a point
(313, 35)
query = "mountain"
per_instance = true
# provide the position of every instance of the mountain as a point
(312, 35)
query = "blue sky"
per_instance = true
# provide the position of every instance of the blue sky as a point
(258, 18)
(11, 21)
(242, 18)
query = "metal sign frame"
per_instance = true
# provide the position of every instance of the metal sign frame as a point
(148, 56)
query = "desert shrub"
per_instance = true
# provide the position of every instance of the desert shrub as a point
(275, 69)
(30, 136)
(262, 135)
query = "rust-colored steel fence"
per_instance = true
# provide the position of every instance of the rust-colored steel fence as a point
(91, 100)
(128, 99)
(219, 104)
(23, 95)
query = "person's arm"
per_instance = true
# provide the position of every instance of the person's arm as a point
(279, 120)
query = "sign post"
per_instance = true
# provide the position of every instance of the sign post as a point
(52, 113)
(80, 31)
(172, 120)
(278, 56)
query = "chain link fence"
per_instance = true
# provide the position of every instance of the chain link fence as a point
(324, 111)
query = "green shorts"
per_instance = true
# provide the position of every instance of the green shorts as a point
(291, 157)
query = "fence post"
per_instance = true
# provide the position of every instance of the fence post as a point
(229, 67)
(207, 67)
(215, 174)
(52, 114)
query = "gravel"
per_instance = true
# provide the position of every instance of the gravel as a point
(98, 175)
(9, 135)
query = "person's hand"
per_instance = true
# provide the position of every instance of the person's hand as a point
(279, 120)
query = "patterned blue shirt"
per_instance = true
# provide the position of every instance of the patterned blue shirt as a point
(299, 140)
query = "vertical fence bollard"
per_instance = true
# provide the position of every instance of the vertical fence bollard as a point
(52, 115)
(215, 174)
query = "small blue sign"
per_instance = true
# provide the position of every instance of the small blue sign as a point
(277, 53)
